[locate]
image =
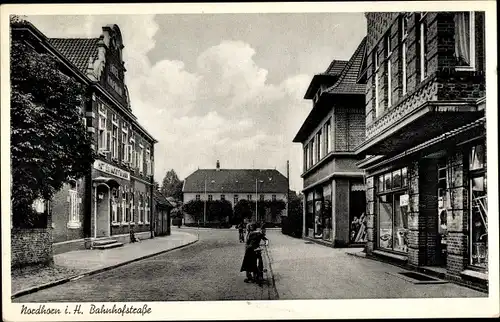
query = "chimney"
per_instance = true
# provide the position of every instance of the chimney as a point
(217, 165)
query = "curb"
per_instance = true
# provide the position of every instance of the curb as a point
(273, 281)
(93, 272)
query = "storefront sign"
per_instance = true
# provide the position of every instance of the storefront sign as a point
(404, 200)
(110, 169)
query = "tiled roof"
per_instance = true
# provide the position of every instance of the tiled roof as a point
(347, 82)
(336, 67)
(236, 181)
(76, 50)
(160, 199)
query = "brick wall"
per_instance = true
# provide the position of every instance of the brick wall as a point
(416, 222)
(31, 246)
(443, 81)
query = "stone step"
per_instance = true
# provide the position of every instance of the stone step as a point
(103, 242)
(108, 246)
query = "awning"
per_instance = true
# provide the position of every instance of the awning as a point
(110, 182)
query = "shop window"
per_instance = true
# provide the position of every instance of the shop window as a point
(465, 39)
(327, 213)
(74, 213)
(478, 207)
(393, 211)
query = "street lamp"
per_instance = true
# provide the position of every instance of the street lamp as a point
(257, 200)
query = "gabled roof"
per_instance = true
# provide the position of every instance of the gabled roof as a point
(77, 50)
(348, 79)
(236, 181)
(346, 83)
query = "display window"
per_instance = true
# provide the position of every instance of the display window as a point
(393, 202)
(478, 207)
(357, 216)
(318, 213)
(327, 213)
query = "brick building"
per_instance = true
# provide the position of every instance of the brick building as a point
(117, 192)
(425, 148)
(234, 185)
(334, 190)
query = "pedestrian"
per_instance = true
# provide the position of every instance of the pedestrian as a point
(252, 260)
(241, 231)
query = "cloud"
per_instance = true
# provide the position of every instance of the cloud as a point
(221, 108)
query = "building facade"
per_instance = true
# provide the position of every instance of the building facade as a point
(234, 185)
(425, 149)
(334, 189)
(117, 192)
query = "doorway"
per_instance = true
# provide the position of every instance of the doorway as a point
(103, 214)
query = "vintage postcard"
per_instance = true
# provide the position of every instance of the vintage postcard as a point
(249, 161)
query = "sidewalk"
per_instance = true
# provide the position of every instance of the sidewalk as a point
(76, 264)
(304, 270)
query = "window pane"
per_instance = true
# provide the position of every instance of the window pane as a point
(462, 38)
(479, 218)
(400, 226)
(388, 181)
(385, 221)
(404, 177)
(477, 157)
(381, 183)
(396, 179)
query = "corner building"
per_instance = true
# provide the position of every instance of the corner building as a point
(116, 195)
(425, 145)
(334, 189)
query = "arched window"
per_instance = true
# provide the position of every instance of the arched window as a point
(141, 208)
(114, 205)
(147, 210)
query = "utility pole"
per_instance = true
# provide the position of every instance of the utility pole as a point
(205, 205)
(288, 185)
(256, 201)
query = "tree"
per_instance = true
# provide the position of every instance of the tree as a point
(243, 210)
(171, 185)
(219, 210)
(195, 208)
(49, 143)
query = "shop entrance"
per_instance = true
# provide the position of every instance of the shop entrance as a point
(357, 217)
(102, 211)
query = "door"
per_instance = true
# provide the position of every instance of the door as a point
(103, 211)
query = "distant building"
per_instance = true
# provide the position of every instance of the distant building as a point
(162, 213)
(334, 190)
(234, 185)
(117, 193)
(425, 143)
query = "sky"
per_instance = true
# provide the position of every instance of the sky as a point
(226, 87)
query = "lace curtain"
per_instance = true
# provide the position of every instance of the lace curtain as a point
(462, 38)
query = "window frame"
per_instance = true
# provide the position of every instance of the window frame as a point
(74, 206)
(388, 63)
(472, 43)
(404, 49)
(423, 48)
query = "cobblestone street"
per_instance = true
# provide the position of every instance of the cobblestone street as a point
(206, 270)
